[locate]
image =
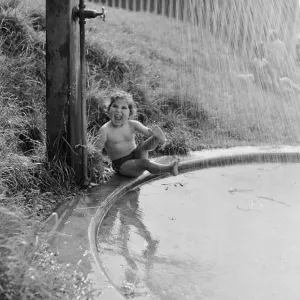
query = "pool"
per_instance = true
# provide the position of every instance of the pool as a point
(228, 232)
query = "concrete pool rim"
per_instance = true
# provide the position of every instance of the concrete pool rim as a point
(202, 160)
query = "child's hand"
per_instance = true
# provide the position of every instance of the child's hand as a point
(158, 133)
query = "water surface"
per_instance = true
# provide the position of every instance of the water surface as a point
(220, 233)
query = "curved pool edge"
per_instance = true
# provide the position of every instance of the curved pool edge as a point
(97, 219)
(195, 161)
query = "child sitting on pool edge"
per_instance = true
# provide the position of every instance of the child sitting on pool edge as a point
(117, 136)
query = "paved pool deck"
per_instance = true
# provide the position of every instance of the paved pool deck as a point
(74, 239)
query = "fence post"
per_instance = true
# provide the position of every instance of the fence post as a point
(163, 7)
(171, 15)
(63, 119)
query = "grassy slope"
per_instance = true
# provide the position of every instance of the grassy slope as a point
(184, 64)
(182, 79)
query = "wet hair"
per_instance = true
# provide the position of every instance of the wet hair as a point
(126, 96)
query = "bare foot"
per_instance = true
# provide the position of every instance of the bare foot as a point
(174, 169)
(158, 133)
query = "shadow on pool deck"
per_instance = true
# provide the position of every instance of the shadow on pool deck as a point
(74, 238)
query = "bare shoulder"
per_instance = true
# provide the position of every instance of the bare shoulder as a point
(135, 123)
(104, 128)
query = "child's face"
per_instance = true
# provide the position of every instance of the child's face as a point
(119, 112)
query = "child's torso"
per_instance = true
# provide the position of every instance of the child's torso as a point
(120, 141)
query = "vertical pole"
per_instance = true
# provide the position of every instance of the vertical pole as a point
(63, 86)
(56, 78)
(171, 9)
(83, 90)
(155, 7)
(184, 9)
(163, 7)
(134, 5)
(177, 10)
(192, 11)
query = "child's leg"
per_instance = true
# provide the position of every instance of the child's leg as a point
(144, 147)
(136, 167)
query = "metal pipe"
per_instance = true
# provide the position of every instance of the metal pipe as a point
(82, 14)
(83, 89)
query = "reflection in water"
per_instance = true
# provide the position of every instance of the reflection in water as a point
(116, 228)
(123, 221)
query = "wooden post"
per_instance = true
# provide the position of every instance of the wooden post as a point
(134, 5)
(184, 9)
(171, 15)
(163, 7)
(63, 85)
(155, 11)
(177, 8)
(191, 5)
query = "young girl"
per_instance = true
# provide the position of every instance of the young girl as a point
(117, 136)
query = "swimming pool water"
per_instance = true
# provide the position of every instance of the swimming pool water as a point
(220, 233)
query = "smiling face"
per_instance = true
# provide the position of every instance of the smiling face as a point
(119, 112)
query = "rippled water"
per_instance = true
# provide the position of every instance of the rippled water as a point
(221, 233)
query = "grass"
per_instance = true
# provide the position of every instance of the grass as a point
(181, 77)
(27, 269)
(183, 67)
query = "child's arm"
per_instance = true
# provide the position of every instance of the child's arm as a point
(155, 131)
(140, 128)
(100, 144)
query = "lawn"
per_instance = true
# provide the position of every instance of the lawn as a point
(180, 63)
